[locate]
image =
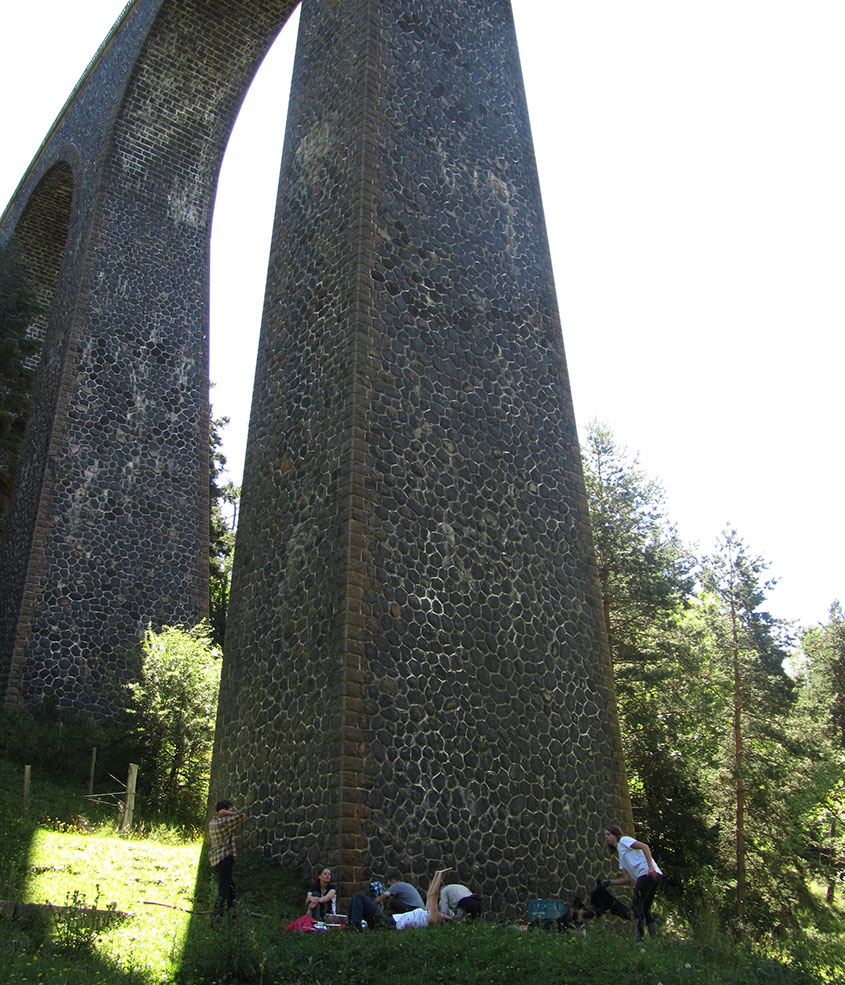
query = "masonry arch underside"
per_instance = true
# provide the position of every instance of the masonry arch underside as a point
(149, 296)
(161, 170)
(180, 106)
(42, 233)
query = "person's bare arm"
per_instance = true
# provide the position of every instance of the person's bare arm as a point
(432, 897)
(312, 900)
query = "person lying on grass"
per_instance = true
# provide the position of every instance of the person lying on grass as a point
(362, 907)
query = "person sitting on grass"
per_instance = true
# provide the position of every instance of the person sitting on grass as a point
(402, 896)
(320, 898)
(362, 907)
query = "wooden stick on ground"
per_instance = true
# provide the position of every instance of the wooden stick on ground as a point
(201, 913)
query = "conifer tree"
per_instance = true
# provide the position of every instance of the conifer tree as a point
(221, 534)
(644, 568)
(749, 648)
(646, 582)
(820, 723)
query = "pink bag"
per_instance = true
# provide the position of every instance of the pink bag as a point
(302, 923)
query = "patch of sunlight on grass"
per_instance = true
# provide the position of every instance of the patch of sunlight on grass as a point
(135, 875)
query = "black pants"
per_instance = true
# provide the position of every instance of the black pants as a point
(644, 891)
(363, 907)
(226, 895)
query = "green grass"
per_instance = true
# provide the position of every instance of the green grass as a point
(50, 859)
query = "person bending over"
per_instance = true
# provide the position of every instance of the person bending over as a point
(459, 902)
(638, 869)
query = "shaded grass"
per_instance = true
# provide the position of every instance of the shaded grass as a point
(157, 944)
(484, 954)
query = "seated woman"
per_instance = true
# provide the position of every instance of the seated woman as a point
(320, 899)
(363, 906)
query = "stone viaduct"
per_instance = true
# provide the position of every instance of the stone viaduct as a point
(415, 669)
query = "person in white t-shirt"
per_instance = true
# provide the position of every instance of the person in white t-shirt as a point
(638, 869)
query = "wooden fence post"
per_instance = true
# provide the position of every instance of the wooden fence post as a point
(27, 770)
(129, 805)
(91, 774)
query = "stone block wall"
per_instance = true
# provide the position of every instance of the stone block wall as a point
(415, 668)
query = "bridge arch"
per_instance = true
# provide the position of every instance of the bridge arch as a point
(143, 136)
(42, 233)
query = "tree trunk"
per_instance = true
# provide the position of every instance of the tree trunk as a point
(737, 727)
(831, 878)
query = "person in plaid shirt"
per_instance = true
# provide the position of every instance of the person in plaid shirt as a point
(222, 852)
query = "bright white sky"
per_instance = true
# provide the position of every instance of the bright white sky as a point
(692, 160)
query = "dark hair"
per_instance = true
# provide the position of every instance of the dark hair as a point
(615, 830)
(223, 805)
(393, 875)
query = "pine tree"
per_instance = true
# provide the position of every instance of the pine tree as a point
(644, 568)
(820, 723)
(748, 651)
(221, 535)
(646, 580)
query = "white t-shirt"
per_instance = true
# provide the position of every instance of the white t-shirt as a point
(413, 918)
(632, 860)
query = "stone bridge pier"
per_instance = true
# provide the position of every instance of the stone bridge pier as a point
(415, 670)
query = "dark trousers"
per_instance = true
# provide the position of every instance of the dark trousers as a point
(363, 907)
(226, 895)
(471, 905)
(644, 891)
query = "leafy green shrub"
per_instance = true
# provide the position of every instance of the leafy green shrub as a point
(78, 926)
(175, 706)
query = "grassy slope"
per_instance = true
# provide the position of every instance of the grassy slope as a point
(46, 861)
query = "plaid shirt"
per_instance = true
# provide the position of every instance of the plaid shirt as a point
(221, 835)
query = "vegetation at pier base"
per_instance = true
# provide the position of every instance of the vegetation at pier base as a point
(120, 917)
(173, 707)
